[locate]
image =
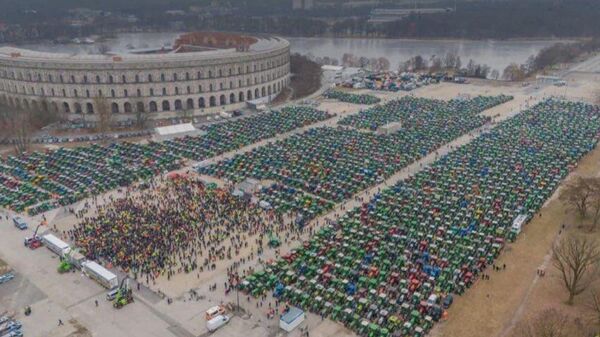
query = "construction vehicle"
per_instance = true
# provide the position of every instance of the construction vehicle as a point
(124, 295)
(35, 241)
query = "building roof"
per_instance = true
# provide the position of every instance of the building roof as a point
(291, 315)
(175, 129)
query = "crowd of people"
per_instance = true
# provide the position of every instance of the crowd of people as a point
(178, 224)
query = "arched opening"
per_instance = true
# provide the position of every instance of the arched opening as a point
(189, 104)
(66, 107)
(213, 101)
(140, 107)
(166, 106)
(201, 103)
(249, 95)
(25, 104)
(89, 108)
(153, 107)
(232, 98)
(127, 107)
(222, 100)
(256, 93)
(269, 90)
(241, 96)
(78, 109)
(114, 107)
(263, 92)
(178, 105)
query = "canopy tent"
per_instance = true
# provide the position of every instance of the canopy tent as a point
(179, 130)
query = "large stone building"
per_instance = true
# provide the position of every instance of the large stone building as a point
(203, 73)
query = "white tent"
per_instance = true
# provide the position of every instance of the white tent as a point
(178, 130)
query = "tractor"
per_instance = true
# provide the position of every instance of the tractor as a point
(124, 295)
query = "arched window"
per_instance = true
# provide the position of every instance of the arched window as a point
(178, 105)
(90, 108)
(241, 96)
(114, 108)
(232, 98)
(187, 76)
(124, 79)
(201, 103)
(127, 107)
(78, 109)
(110, 79)
(72, 79)
(162, 77)
(164, 91)
(176, 90)
(249, 95)
(112, 93)
(213, 101)
(174, 77)
(97, 79)
(189, 89)
(125, 93)
(137, 78)
(189, 104)
(149, 77)
(166, 106)
(153, 107)
(66, 107)
(75, 93)
(139, 93)
(222, 100)
(140, 107)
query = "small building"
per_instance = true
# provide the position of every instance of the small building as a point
(389, 128)
(291, 319)
(248, 186)
(175, 131)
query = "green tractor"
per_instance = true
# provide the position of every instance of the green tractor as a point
(274, 241)
(64, 266)
(124, 295)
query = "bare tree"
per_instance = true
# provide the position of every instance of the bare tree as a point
(103, 49)
(513, 72)
(577, 195)
(594, 202)
(141, 119)
(576, 257)
(104, 114)
(593, 304)
(549, 323)
(17, 126)
(21, 130)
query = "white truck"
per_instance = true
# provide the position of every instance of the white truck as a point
(100, 274)
(56, 245)
(217, 322)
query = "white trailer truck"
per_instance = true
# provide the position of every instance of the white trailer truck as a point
(100, 274)
(56, 245)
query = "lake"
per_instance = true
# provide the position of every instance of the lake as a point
(496, 54)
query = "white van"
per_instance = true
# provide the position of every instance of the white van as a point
(217, 322)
